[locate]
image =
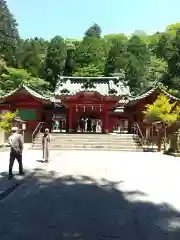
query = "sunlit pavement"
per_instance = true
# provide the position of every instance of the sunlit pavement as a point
(97, 195)
(31, 160)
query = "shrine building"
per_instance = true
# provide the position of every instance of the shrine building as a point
(104, 98)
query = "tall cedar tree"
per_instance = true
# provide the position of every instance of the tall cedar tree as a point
(9, 36)
(55, 60)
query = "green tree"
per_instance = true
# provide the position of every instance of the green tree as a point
(165, 111)
(117, 59)
(163, 48)
(55, 60)
(6, 121)
(13, 78)
(9, 36)
(88, 71)
(138, 59)
(172, 29)
(91, 51)
(153, 43)
(155, 72)
(162, 110)
(111, 38)
(70, 60)
(93, 31)
(31, 55)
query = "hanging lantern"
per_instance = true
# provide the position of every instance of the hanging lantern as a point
(76, 108)
(92, 108)
(84, 108)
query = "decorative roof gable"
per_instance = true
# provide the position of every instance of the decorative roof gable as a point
(133, 100)
(28, 90)
(151, 91)
(104, 85)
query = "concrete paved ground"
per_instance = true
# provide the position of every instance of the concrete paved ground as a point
(97, 196)
(31, 161)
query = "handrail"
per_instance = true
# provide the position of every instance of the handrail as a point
(37, 130)
(137, 131)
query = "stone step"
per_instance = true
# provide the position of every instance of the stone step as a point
(89, 146)
(89, 136)
(94, 149)
(94, 142)
(90, 140)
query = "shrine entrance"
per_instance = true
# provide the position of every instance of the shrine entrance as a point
(89, 118)
(88, 112)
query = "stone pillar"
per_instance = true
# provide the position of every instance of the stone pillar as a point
(105, 118)
(70, 118)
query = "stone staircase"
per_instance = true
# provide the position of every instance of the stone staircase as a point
(98, 142)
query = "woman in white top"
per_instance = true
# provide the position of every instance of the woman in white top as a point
(45, 145)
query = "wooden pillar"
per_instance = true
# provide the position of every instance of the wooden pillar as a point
(105, 118)
(70, 118)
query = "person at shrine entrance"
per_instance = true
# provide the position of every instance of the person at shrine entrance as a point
(82, 124)
(16, 148)
(89, 125)
(61, 125)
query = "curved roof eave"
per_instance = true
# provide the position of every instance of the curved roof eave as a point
(29, 90)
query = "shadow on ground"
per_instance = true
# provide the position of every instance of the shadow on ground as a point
(50, 206)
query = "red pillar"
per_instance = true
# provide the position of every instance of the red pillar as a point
(159, 141)
(105, 113)
(70, 118)
(152, 135)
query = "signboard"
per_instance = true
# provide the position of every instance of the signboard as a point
(27, 114)
(59, 115)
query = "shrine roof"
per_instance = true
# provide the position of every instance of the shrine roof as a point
(106, 86)
(133, 100)
(28, 90)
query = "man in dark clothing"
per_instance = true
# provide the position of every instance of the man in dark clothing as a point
(16, 148)
(82, 124)
(61, 125)
(89, 125)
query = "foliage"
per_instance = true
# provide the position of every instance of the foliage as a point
(154, 72)
(90, 51)
(144, 59)
(88, 71)
(117, 59)
(93, 31)
(55, 60)
(112, 91)
(31, 55)
(6, 121)
(65, 91)
(162, 110)
(13, 78)
(9, 35)
(110, 38)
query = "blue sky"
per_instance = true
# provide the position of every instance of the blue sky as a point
(70, 18)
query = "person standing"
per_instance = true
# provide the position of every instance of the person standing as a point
(85, 124)
(16, 148)
(99, 125)
(45, 145)
(89, 125)
(61, 124)
(82, 124)
(94, 124)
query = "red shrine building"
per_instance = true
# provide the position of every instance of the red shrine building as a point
(103, 98)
